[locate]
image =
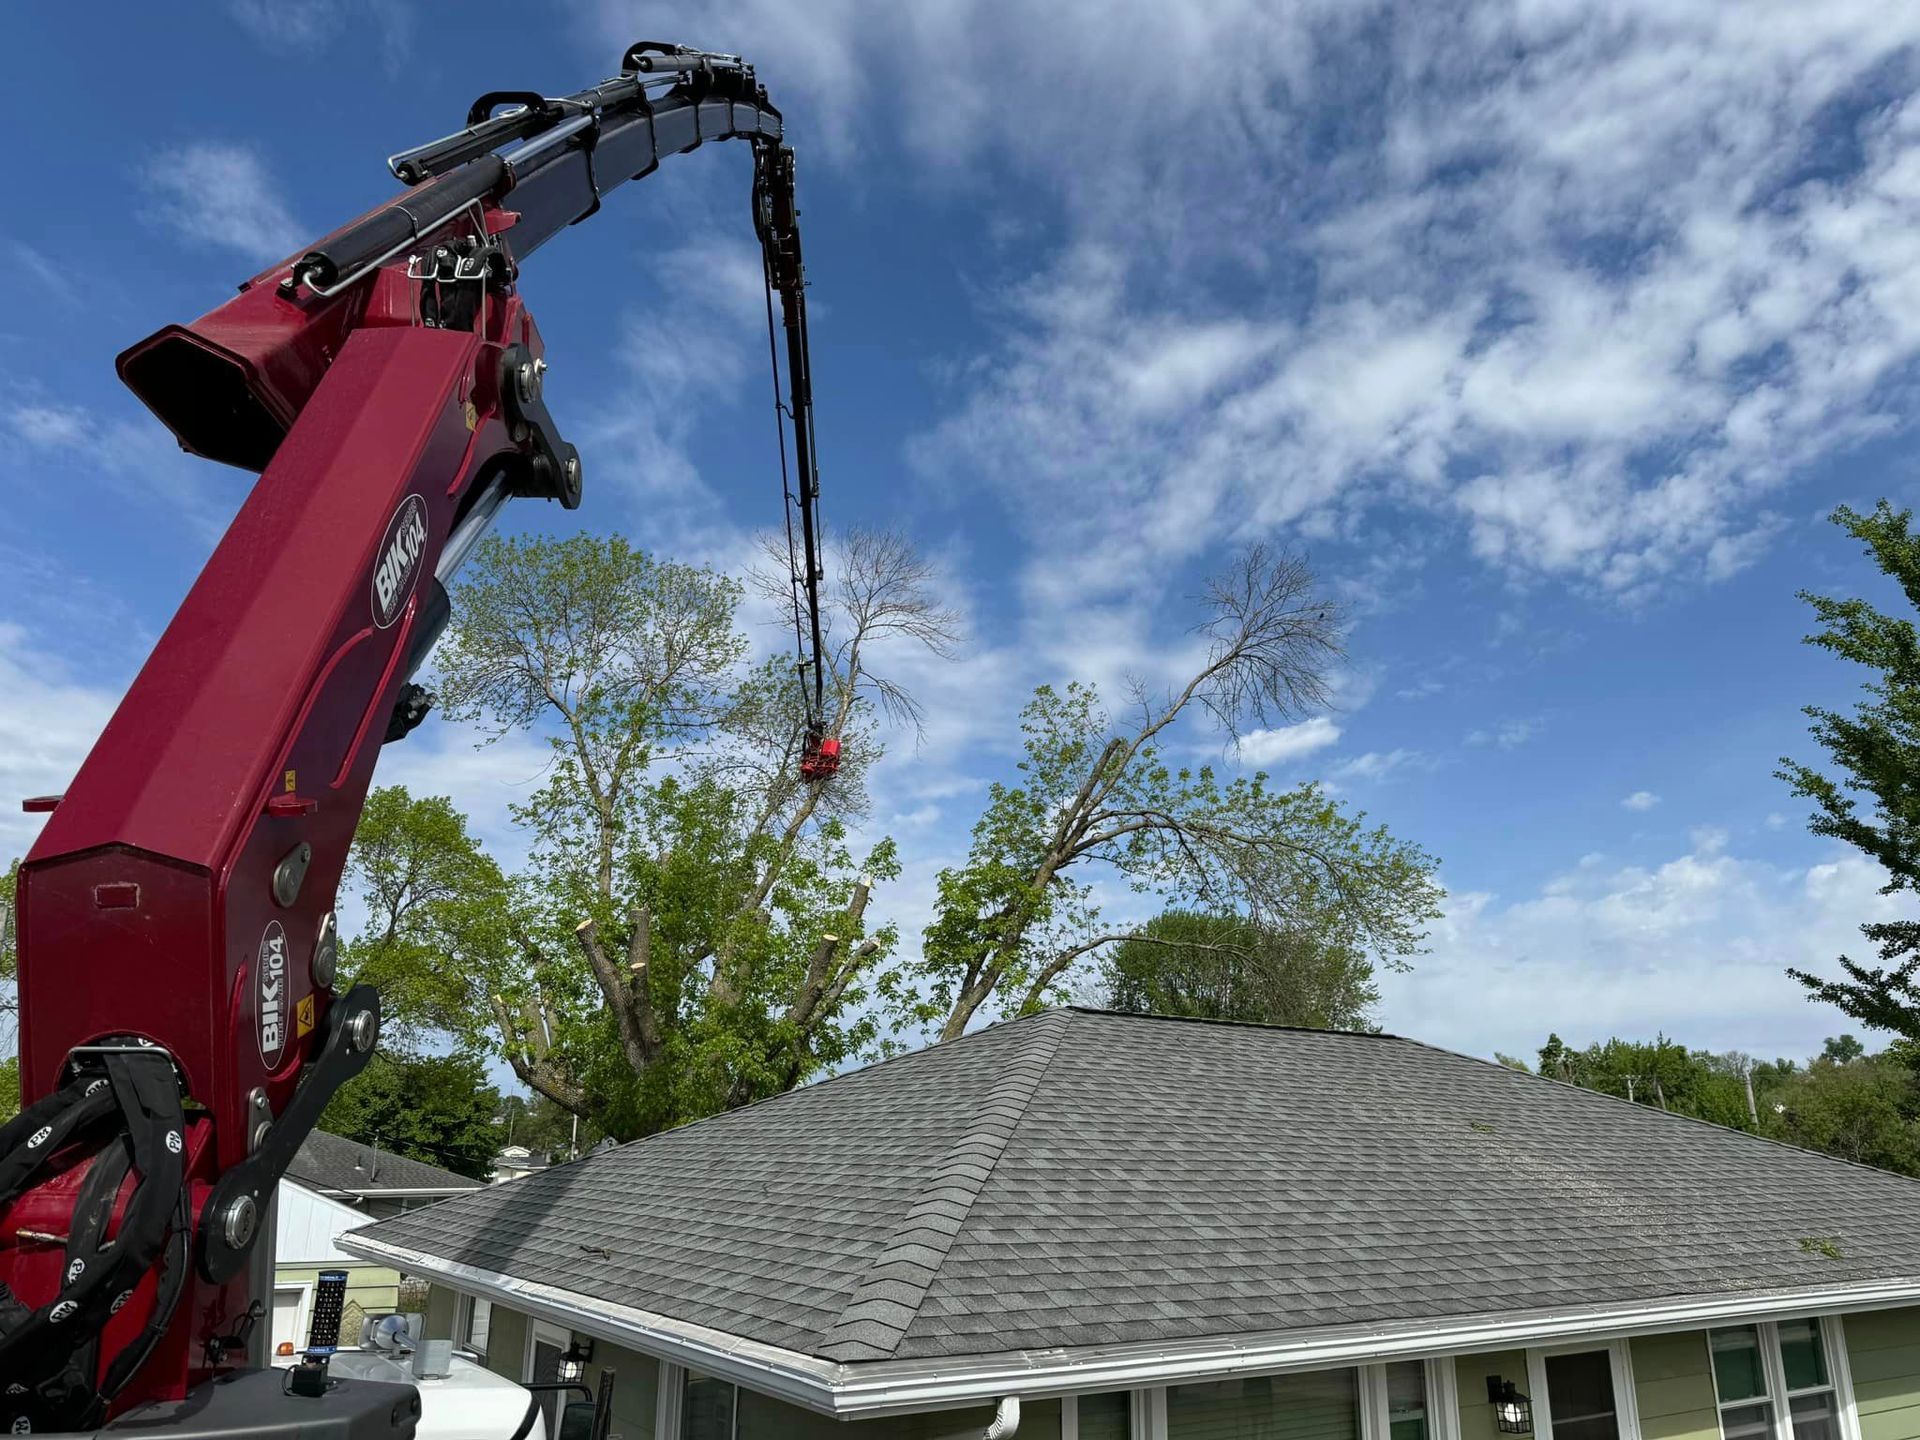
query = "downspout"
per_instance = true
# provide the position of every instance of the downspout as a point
(1006, 1419)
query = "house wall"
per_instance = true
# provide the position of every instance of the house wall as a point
(371, 1287)
(507, 1343)
(1672, 1381)
(442, 1306)
(1883, 1352)
(1470, 1377)
(636, 1388)
(1673, 1385)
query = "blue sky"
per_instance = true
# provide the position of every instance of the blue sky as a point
(1549, 331)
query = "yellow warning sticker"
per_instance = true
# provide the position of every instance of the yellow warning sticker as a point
(303, 1016)
(292, 782)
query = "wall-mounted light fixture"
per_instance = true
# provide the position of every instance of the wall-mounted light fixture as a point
(1512, 1411)
(573, 1364)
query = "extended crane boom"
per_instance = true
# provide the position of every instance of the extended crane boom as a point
(180, 1031)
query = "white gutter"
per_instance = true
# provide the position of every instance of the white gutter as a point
(902, 1386)
(1006, 1419)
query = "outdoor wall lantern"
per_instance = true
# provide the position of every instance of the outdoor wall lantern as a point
(573, 1364)
(1512, 1411)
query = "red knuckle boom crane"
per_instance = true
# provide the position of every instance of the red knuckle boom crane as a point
(180, 1029)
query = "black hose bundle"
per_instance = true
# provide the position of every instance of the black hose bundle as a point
(122, 1104)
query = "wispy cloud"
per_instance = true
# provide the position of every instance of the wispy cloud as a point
(48, 722)
(1695, 947)
(1641, 800)
(217, 195)
(1507, 735)
(1588, 286)
(1288, 742)
(1379, 764)
(284, 27)
(134, 455)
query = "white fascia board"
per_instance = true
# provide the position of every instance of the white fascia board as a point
(888, 1387)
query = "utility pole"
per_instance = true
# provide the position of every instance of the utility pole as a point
(1630, 1080)
(1753, 1110)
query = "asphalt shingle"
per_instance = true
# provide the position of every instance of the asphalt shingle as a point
(333, 1162)
(1081, 1178)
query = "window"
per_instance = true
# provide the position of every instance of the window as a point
(475, 1319)
(1105, 1417)
(1322, 1405)
(706, 1408)
(1405, 1382)
(1581, 1387)
(1776, 1382)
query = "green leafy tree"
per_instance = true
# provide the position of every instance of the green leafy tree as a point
(1875, 805)
(689, 933)
(1225, 967)
(437, 1109)
(1842, 1049)
(1104, 798)
(1846, 1103)
(1660, 1073)
(1862, 1109)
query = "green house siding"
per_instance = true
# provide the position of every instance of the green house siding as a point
(1673, 1387)
(375, 1289)
(507, 1343)
(1470, 1374)
(443, 1305)
(1883, 1352)
(636, 1388)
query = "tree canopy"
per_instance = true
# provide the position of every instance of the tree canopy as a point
(689, 932)
(1226, 967)
(1104, 796)
(1845, 1102)
(1874, 804)
(437, 1109)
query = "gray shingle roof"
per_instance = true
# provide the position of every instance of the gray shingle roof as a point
(333, 1162)
(1080, 1178)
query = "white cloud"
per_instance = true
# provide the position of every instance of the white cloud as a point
(1640, 800)
(1378, 764)
(48, 722)
(1696, 947)
(1288, 742)
(1507, 735)
(135, 455)
(216, 195)
(383, 27)
(1563, 277)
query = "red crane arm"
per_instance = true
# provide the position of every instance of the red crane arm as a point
(175, 923)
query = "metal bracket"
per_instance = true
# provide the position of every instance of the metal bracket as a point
(230, 1223)
(552, 471)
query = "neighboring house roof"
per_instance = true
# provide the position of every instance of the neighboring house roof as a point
(1084, 1179)
(335, 1165)
(305, 1225)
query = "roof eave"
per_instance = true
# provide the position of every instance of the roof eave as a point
(888, 1387)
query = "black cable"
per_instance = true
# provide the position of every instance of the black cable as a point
(762, 224)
